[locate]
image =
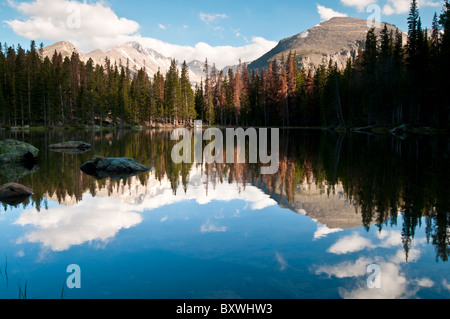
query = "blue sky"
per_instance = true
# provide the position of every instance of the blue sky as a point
(244, 28)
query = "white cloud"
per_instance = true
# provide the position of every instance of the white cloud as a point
(350, 244)
(360, 5)
(425, 282)
(101, 28)
(209, 227)
(346, 269)
(99, 219)
(394, 282)
(162, 26)
(238, 34)
(394, 285)
(355, 242)
(403, 6)
(327, 13)
(88, 26)
(220, 55)
(388, 10)
(446, 284)
(389, 238)
(209, 18)
(397, 7)
(95, 219)
(282, 261)
(323, 231)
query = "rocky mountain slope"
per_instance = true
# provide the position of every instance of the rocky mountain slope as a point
(336, 39)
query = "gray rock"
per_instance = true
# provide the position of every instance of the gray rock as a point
(12, 151)
(72, 147)
(13, 190)
(72, 144)
(115, 168)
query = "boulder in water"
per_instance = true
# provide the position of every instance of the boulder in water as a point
(72, 147)
(14, 190)
(116, 168)
(13, 151)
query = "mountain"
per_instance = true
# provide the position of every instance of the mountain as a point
(98, 56)
(133, 53)
(197, 66)
(139, 57)
(65, 48)
(336, 39)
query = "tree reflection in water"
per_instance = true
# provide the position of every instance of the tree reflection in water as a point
(382, 176)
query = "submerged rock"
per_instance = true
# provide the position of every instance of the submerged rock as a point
(13, 151)
(14, 194)
(115, 168)
(72, 147)
(14, 172)
(12, 190)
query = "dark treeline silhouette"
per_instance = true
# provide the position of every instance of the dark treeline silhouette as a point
(386, 84)
(388, 180)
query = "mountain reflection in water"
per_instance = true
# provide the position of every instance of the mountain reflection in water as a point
(391, 189)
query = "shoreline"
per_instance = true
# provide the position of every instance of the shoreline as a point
(373, 130)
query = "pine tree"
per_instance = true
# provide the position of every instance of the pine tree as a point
(2, 85)
(200, 101)
(21, 84)
(435, 34)
(187, 96)
(444, 21)
(209, 114)
(282, 96)
(172, 94)
(414, 31)
(141, 88)
(158, 110)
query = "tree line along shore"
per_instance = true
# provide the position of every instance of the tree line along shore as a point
(386, 86)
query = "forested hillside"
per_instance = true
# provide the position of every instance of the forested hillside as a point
(386, 84)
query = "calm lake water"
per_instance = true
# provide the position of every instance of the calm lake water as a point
(338, 204)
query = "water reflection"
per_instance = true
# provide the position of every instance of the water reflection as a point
(95, 219)
(395, 284)
(118, 206)
(368, 199)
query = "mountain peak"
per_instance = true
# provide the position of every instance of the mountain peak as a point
(64, 47)
(135, 45)
(337, 39)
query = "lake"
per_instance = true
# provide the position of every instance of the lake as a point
(338, 204)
